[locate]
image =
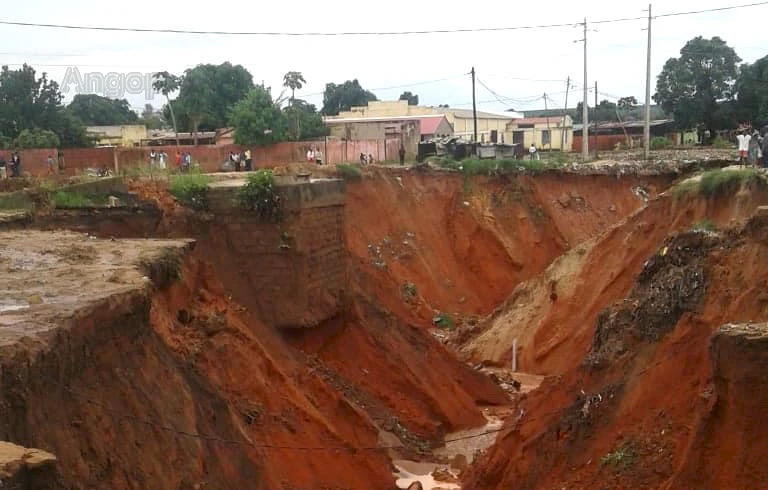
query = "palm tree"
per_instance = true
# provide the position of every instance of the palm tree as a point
(293, 80)
(167, 83)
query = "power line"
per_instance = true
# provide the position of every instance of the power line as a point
(353, 33)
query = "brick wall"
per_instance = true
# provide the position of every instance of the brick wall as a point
(292, 272)
(209, 157)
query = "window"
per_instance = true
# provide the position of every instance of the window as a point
(546, 137)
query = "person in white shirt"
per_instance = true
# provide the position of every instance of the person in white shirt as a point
(310, 155)
(532, 151)
(743, 139)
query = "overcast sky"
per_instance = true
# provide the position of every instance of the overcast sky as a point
(518, 65)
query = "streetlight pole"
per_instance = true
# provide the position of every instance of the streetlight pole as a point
(647, 125)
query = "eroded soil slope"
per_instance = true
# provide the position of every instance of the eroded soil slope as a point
(465, 243)
(552, 315)
(647, 399)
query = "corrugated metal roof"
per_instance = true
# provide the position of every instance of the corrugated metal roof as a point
(429, 124)
(625, 124)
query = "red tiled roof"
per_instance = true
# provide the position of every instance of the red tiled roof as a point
(429, 125)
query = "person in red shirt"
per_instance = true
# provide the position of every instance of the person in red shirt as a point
(178, 159)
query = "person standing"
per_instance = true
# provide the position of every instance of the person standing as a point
(60, 160)
(765, 151)
(178, 159)
(318, 157)
(162, 158)
(49, 164)
(248, 160)
(402, 155)
(532, 152)
(310, 156)
(15, 164)
(753, 149)
(743, 140)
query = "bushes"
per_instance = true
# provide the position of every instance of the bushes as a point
(69, 199)
(191, 190)
(659, 143)
(259, 195)
(348, 172)
(720, 143)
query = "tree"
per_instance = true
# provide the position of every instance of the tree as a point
(293, 80)
(337, 98)
(752, 92)
(167, 83)
(411, 98)
(95, 110)
(257, 120)
(626, 103)
(31, 102)
(151, 118)
(304, 122)
(37, 138)
(605, 111)
(692, 86)
(206, 93)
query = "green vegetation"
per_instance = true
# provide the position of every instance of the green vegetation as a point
(703, 225)
(163, 268)
(191, 190)
(348, 171)
(623, 456)
(720, 143)
(259, 195)
(16, 200)
(443, 320)
(68, 199)
(477, 166)
(659, 143)
(715, 183)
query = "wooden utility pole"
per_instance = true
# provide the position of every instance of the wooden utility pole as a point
(565, 115)
(584, 115)
(647, 125)
(474, 107)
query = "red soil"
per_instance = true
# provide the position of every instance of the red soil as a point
(466, 245)
(663, 418)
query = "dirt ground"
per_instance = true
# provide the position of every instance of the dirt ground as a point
(609, 295)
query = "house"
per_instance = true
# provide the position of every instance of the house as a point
(409, 130)
(546, 133)
(490, 126)
(125, 135)
(610, 135)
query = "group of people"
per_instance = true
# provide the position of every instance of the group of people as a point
(158, 159)
(753, 148)
(14, 165)
(314, 155)
(241, 160)
(366, 159)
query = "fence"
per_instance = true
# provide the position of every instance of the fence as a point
(209, 157)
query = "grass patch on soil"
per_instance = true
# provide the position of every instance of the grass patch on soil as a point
(620, 457)
(703, 225)
(718, 183)
(71, 200)
(349, 172)
(477, 166)
(443, 321)
(191, 190)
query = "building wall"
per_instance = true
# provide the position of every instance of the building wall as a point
(126, 135)
(410, 134)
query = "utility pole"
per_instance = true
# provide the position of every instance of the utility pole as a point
(595, 120)
(549, 132)
(565, 115)
(647, 126)
(584, 115)
(474, 107)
